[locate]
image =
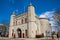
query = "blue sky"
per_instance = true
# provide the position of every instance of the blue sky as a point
(41, 6)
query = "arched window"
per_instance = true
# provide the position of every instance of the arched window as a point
(26, 33)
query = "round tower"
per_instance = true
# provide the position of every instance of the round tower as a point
(31, 12)
(45, 25)
(11, 24)
(12, 19)
(31, 22)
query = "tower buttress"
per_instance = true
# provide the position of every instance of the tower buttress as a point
(31, 22)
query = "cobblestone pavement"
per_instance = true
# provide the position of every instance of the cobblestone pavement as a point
(3, 38)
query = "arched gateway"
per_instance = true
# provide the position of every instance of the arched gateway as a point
(19, 32)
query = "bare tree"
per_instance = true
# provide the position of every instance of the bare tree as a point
(57, 18)
(5, 22)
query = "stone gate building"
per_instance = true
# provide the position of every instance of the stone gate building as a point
(28, 24)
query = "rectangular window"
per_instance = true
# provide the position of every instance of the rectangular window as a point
(16, 22)
(22, 21)
(13, 23)
(25, 20)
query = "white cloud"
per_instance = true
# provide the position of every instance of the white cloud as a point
(47, 14)
(43, 16)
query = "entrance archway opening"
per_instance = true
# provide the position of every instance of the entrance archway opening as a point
(19, 32)
(26, 33)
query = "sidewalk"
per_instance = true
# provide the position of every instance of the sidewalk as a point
(6, 38)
